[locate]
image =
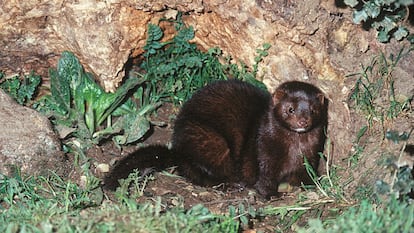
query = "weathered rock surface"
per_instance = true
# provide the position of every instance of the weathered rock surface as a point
(27, 140)
(101, 33)
(104, 34)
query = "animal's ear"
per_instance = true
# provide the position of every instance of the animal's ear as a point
(278, 95)
(321, 98)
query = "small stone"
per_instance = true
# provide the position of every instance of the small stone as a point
(103, 167)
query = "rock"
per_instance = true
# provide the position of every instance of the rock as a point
(27, 140)
(105, 34)
(102, 34)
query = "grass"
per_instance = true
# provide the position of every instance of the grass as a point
(392, 216)
(374, 93)
(49, 204)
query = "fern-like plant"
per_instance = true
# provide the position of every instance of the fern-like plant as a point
(22, 89)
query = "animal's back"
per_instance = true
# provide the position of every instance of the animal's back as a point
(216, 132)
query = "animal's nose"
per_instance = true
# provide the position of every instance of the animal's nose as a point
(303, 123)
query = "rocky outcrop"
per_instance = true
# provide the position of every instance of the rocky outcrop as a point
(27, 140)
(104, 34)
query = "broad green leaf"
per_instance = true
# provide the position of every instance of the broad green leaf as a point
(372, 9)
(400, 33)
(383, 36)
(70, 73)
(128, 107)
(232, 211)
(91, 92)
(244, 220)
(252, 211)
(406, 2)
(389, 23)
(107, 105)
(135, 127)
(60, 92)
(49, 106)
(90, 119)
(351, 3)
(88, 96)
(79, 101)
(70, 70)
(103, 104)
(359, 16)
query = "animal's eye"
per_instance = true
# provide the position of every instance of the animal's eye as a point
(291, 110)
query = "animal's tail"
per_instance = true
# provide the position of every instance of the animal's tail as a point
(157, 157)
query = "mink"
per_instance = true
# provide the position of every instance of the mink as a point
(233, 132)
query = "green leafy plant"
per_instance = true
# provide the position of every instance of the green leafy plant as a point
(80, 106)
(175, 68)
(386, 16)
(245, 214)
(374, 92)
(22, 89)
(132, 187)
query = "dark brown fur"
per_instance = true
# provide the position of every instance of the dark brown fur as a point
(293, 128)
(233, 132)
